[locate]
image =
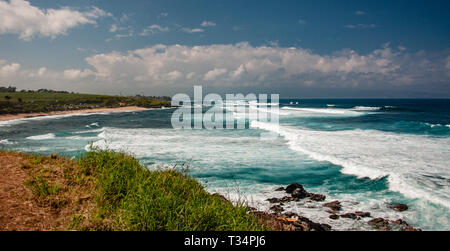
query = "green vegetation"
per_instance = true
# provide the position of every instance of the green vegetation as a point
(130, 197)
(30, 102)
(106, 190)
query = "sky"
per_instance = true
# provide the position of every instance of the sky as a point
(298, 48)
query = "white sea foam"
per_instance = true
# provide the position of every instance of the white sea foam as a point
(95, 124)
(365, 108)
(6, 142)
(24, 120)
(416, 166)
(42, 137)
(311, 112)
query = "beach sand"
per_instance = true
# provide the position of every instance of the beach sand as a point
(6, 117)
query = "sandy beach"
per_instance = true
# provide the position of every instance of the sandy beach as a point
(6, 117)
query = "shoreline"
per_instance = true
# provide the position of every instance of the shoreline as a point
(8, 117)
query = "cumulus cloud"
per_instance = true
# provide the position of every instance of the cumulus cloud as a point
(76, 74)
(243, 64)
(8, 69)
(360, 12)
(22, 18)
(208, 24)
(176, 67)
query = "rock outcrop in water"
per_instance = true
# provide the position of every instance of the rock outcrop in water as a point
(293, 222)
(398, 207)
(290, 221)
(334, 205)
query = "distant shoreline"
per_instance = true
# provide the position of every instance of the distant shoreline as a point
(7, 117)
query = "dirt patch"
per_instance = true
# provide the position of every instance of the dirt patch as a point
(41, 193)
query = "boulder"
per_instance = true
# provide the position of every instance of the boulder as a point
(399, 222)
(399, 207)
(274, 200)
(334, 217)
(349, 216)
(411, 229)
(316, 197)
(292, 187)
(380, 224)
(299, 193)
(334, 205)
(280, 189)
(290, 215)
(277, 209)
(362, 214)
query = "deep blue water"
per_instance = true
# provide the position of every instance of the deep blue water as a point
(366, 153)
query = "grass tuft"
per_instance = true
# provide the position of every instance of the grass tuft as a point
(130, 197)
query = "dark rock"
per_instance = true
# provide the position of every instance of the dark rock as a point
(274, 200)
(53, 156)
(399, 222)
(380, 224)
(326, 227)
(299, 193)
(349, 216)
(283, 222)
(332, 212)
(291, 188)
(288, 199)
(334, 217)
(362, 214)
(280, 189)
(335, 205)
(290, 215)
(277, 208)
(411, 229)
(317, 197)
(399, 207)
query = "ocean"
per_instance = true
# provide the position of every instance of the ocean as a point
(366, 153)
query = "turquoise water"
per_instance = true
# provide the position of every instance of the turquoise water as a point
(366, 153)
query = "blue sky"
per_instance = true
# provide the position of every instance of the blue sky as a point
(339, 48)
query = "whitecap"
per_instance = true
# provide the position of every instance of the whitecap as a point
(407, 160)
(365, 108)
(42, 137)
(6, 142)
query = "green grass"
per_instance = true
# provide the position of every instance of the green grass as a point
(28, 102)
(41, 188)
(130, 197)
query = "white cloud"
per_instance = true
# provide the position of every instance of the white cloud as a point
(20, 17)
(8, 69)
(195, 30)
(360, 12)
(154, 29)
(238, 65)
(360, 26)
(447, 65)
(113, 28)
(213, 74)
(208, 24)
(301, 21)
(76, 74)
(243, 63)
